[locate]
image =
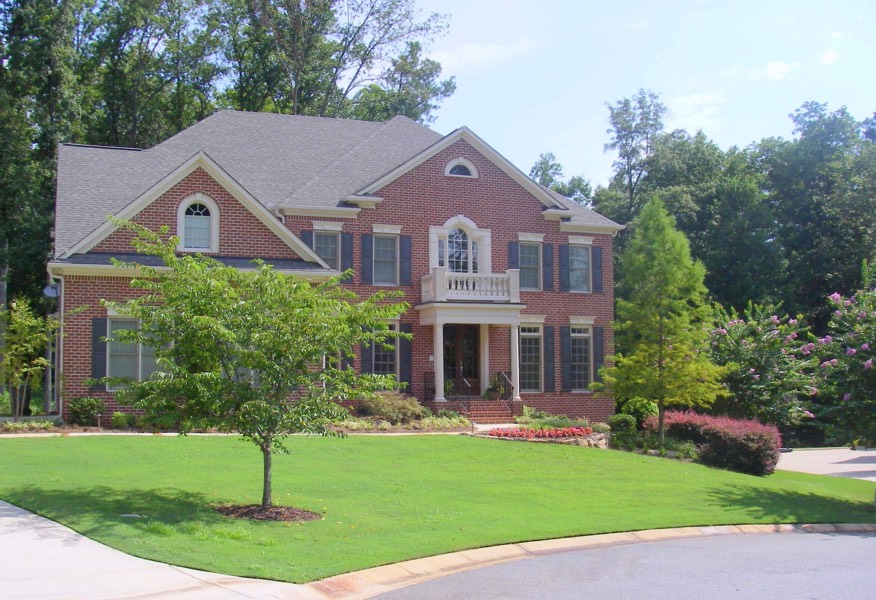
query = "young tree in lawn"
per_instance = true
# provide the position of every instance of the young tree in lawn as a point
(661, 321)
(233, 347)
(23, 361)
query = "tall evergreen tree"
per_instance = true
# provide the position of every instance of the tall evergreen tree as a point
(662, 320)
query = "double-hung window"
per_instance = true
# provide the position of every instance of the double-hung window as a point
(530, 359)
(326, 244)
(530, 266)
(581, 358)
(385, 260)
(579, 268)
(128, 361)
(386, 355)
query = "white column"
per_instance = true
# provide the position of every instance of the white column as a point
(484, 357)
(515, 361)
(438, 360)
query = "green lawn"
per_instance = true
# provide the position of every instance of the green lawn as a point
(385, 499)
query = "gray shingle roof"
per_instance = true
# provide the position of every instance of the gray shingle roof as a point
(281, 160)
(275, 157)
(581, 215)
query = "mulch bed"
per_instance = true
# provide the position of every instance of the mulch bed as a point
(257, 512)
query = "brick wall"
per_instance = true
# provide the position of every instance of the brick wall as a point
(416, 200)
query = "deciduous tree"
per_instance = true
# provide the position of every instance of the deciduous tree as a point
(242, 351)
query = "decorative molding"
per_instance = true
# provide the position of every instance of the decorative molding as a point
(327, 226)
(530, 237)
(337, 212)
(580, 240)
(207, 201)
(532, 320)
(364, 201)
(465, 163)
(387, 229)
(582, 320)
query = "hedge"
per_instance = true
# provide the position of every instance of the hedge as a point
(739, 445)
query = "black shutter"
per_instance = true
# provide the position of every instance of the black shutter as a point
(598, 351)
(547, 267)
(98, 352)
(549, 377)
(566, 357)
(307, 238)
(367, 259)
(596, 257)
(513, 255)
(564, 268)
(404, 265)
(405, 356)
(347, 254)
(367, 358)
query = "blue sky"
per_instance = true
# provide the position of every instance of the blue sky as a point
(534, 77)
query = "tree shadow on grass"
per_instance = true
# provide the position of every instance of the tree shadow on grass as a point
(99, 509)
(784, 506)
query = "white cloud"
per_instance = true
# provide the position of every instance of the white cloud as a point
(775, 70)
(695, 111)
(828, 57)
(477, 57)
(778, 70)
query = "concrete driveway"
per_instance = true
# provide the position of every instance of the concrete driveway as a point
(840, 462)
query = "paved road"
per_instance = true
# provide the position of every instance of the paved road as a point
(793, 566)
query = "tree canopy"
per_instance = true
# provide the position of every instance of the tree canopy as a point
(254, 352)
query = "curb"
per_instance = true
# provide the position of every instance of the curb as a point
(371, 582)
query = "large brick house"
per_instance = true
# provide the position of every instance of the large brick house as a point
(505, 278)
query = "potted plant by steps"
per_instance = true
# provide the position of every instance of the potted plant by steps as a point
(495, 389)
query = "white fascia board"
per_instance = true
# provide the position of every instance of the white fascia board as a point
(464, 133)
(594, 229)
(60, 269)
(364, 201)
(341, 213)
(200, 160)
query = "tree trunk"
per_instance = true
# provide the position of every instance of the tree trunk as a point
(661, 411)
(266, 487)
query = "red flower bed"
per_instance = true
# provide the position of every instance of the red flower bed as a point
(544, 434)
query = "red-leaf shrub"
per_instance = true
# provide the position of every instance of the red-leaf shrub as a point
(739, 445)
(551, 433)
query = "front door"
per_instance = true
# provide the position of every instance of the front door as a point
(461, 352)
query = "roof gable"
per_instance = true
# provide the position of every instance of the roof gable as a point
(199, 161)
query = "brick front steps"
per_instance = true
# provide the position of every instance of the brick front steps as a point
(476, 409)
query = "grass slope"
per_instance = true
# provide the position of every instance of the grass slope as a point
(385, 499)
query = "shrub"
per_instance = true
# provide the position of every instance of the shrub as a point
(600, 427)
(531, 414)
(394, 407)
(640, 408)
(739, 445)
(119, 420)
(622, 422)
(84, 410)
(438, 423)
(15, 427)
(528, 433)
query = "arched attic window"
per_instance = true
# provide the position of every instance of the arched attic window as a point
(198, 224)
(461, 167)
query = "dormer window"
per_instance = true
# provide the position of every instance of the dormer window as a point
(460, 167)
(198, 224)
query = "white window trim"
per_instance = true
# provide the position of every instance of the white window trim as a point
(327, 226)
(580, 240)
(464, 162)
(214, 222)
(589, 267)
(540, 327)
(539, 265)
(397, 259)
(589, 337)
(387, 229)
(114, 316)
(581, 321)
(482, 236)
(532, 320)
(530, 237)
(333, 232)
(394, 325)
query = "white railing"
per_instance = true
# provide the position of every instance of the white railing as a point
(441, 286)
